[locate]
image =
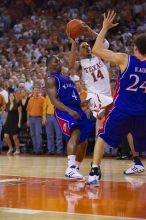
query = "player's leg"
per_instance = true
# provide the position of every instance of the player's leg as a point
(116, 126)
(95, 173)
(76, 132)
(72, 144)
(137, 166)
(86, 127)
(81, 152)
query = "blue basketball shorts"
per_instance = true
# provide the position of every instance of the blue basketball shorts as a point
(68, 123)
(118, 124)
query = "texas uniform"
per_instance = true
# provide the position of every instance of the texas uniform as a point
(96, 78)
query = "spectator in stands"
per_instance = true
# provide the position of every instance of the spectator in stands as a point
(53, 131)
(81, 91)
(28, 83)
(35, 118)
(23, 102)
(83, 96)
(18, 92)
(113, 86)
(2, 107)
(12, 124)
(4, 93)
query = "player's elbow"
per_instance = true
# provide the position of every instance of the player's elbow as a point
(96, 51)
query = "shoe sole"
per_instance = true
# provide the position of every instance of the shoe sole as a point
(133, 173)
(73, 178)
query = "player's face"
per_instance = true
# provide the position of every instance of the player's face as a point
(85, 49)
(54, 65)
(78, 86)
(135, 51)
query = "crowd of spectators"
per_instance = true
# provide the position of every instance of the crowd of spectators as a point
(32, 30)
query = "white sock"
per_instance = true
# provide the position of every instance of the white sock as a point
(71, 160)
(94, 166)
(78, 164)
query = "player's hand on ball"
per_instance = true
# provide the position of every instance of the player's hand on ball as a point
(74, 114)
(108, 21)
(73, 42)
(86, 29)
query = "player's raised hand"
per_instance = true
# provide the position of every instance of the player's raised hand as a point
(108, 21)
(73, 42)
(86, 28)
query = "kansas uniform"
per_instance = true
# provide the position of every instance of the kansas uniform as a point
(96, 78)
(129, 112)
(68, 95)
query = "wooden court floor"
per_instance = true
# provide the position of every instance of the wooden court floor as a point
(33, 187)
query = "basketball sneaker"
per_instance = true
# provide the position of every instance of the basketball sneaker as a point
(73, 173)
(94, 176)
(135, 168)
(99, 170)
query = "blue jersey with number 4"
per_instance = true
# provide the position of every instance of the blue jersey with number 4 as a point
(130, 94)
(66, 90)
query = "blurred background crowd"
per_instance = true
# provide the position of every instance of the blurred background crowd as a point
(32, 30)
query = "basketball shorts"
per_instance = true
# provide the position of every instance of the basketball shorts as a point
(68, 123)
(98, 102)
(118, 124)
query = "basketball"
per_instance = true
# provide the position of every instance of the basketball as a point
(74, 28)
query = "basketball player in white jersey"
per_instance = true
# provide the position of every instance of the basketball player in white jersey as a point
(94, 74)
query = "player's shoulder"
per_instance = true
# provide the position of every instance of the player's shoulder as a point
(51, 80)
(133, 60)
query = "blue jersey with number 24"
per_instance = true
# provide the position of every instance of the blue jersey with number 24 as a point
(130, 94)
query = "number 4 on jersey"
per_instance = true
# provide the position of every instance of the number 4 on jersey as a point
(74, 95)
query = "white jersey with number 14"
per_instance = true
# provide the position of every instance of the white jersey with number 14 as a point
(95, 76)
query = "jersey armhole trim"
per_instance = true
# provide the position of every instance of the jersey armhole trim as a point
(123, 73)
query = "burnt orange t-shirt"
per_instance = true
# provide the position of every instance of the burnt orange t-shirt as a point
(35, 106)
(2, 102)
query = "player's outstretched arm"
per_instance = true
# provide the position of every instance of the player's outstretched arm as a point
(120, 59)
(72, 58)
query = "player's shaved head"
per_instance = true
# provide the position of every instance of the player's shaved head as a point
(54, 64)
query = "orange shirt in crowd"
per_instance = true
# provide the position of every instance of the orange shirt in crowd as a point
(35, 106)
(48, 107)
(83, 95)
(2, 103)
